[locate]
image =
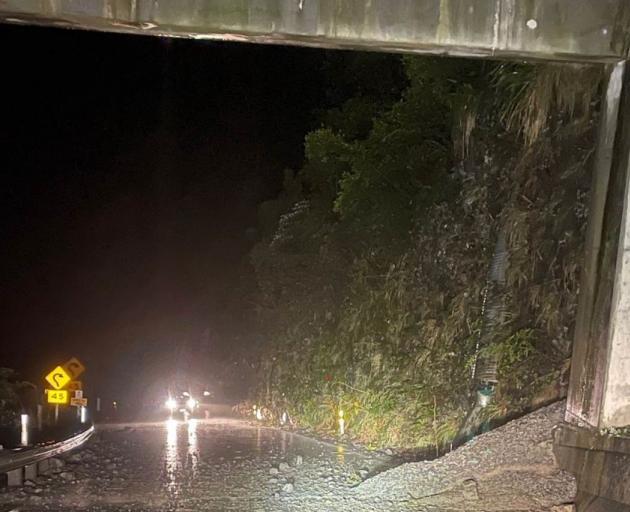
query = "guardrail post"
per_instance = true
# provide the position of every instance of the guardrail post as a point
(43, 466)
(40, 413)
(15, 477)
(30, 472)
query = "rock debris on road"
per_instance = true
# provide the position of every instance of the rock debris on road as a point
(228, 465)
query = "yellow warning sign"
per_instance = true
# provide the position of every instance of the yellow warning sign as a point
(58, 378)
(74, 367)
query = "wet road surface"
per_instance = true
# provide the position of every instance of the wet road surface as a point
(228, 465)
(199, 465)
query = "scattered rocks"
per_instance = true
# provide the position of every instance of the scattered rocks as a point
(56, 463)
(288, 487)
(510, 461)
(68, 476)
(75, 457)
(325, 480)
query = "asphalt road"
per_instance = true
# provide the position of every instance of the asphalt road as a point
(228, 465)
(199, 465)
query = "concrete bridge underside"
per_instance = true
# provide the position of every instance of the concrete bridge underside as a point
(596, 31)
(575, 30)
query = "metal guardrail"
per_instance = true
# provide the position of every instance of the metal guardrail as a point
(15, 459)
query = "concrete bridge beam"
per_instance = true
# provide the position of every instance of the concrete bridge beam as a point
(573, 30)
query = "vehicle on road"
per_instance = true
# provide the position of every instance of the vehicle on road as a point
(184, 405)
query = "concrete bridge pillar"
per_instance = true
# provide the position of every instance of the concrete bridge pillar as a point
(599, 392)
(616, 393)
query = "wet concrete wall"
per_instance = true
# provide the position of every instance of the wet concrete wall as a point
(599, 391)
(616, 403)
(601, 465)
(548, 29)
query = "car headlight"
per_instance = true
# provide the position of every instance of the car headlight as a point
(170, 404)
(191, 403)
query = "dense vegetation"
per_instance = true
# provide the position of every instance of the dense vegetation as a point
(10, 388)
(371, 272)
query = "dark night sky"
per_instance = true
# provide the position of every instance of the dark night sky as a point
(131, 172)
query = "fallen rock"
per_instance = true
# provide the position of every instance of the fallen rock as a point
(68, 476)
(287, 487)
(75, 457)
(273, 471)
(283, 466)
(56, 463)
(471, 491)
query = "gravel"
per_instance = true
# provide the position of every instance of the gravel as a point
(510, 468)
(226, 465)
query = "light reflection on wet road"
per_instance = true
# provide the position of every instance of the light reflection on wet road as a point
(216, 464)
(229, 462)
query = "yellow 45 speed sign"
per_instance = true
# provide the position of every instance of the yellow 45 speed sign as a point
(57, 396)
